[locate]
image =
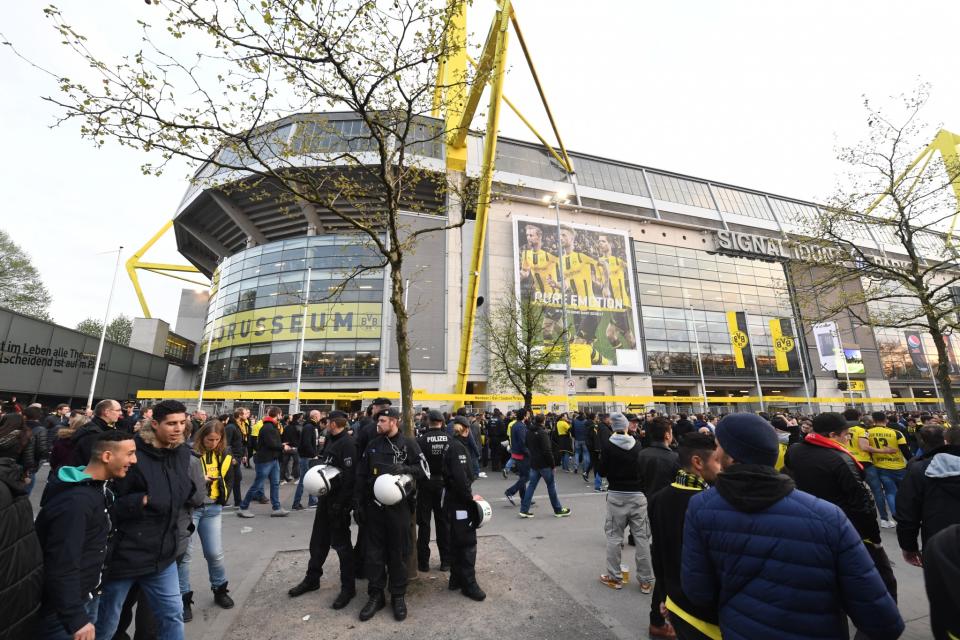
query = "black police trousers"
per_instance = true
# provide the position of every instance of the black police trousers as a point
(331, 531)
(463, 546)
(388, 545)
(429, 503)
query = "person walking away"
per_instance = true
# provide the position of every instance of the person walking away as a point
(308, 451)
(807, 581)
(59, 419)
(699, 466)
(388, 540)
(21, 581)
(581, 451)
(73, 527)
(233, 433)
(210, 448)
(658, 468)
(331, 523)
(929, 497)
(520, 456)
(889, 452)
(941, 573)
(461, 512)
(626, 505)
(564, 442)
(38, 437)
(603, 432)
(61, 451)
(105, 415)
(433, 444)
(541, 465)
(267, 465)
(496, 435)
(149, 499)
(822, 466)
(290, 464)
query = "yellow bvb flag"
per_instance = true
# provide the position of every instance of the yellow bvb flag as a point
(784, 343)
(737, 326)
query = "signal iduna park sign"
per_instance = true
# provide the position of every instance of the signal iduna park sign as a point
(769, 247)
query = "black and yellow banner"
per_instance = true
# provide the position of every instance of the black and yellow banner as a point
(784, 344)
(737, 326)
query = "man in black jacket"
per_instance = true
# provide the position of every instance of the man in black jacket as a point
(149, 499)
(433, 443)
(310, 435)
(73, 526)
(267, 464)
(331, 524)
(461, 512)
(237, 450)
(941, 573)
(387, 527)
(105, 416)
(928, 500)
(699, 465)
(542, 462)
(822, 466)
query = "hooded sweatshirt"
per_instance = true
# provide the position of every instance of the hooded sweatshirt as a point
(73, 527)
(928, 499)
(620, 464)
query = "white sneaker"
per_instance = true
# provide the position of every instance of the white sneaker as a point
(887, 524)
(243, 513)
(482, 474)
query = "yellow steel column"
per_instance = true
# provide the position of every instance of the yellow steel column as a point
(483, 199)
(452, 81)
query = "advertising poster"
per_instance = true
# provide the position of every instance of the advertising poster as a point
(595, 285)
(916, 351)
(828, 346)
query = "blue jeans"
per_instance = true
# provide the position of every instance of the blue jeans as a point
(890, 479)
(523, 468)
(265, 470)
(162, 590)
(565, 460)
(304, 467)
(206, 519)
(581, 455)
(876, 488)
(52, 629)
(533, 481)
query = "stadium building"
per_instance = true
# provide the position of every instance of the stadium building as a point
(662, 276)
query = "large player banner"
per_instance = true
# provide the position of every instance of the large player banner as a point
(600, 299)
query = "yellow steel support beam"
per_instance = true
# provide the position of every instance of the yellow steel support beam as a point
(452, 83)
(134, 263)
(500, 25)
(458, 136)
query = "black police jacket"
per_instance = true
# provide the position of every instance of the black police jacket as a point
(457, 475)
(433, 444)
(340, 451)
(397, 455)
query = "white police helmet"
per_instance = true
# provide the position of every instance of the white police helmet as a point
(318, 480)
(390, 489)
(484, 511)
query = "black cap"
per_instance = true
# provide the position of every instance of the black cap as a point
(385, 401)
(632, 417)
(435, 416)
(463, 422)
(337, 414)
(389, 412)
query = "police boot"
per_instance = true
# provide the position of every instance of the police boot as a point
(474, 592)
(305, 585)
(343, 598)
(374, 604)
(187, 606)
(399, 607)
(221, 598)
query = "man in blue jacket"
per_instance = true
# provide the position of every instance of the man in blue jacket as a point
(775, 561)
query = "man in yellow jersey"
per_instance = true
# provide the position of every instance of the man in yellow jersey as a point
(538, 267)
(889, 453)
(860, 446)
(614, 272)
(580, 276)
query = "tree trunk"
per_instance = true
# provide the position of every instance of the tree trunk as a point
(528, 400)
(403, 347)
(942, 373)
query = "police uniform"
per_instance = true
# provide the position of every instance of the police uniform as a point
(331, 524)
(387, 528)
(366, 430)
(462, 513)
(433, 443)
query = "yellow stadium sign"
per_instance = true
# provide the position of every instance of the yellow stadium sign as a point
(323, 321)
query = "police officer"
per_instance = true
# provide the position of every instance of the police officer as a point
(460, 507)
(365, 431)
(433, 443)
(331, 524)
(387, 527)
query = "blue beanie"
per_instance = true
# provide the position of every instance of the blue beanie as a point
(748, 439)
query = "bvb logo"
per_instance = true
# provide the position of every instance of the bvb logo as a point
(739, 339)
(784, 344)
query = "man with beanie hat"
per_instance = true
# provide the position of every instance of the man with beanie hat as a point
(778, 562)
(626, 505)
(822, 466)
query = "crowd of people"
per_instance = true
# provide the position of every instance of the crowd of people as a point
(742, 526)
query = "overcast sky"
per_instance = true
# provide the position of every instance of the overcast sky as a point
(757, 94)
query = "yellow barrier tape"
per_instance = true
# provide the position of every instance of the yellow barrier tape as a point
(419, 395)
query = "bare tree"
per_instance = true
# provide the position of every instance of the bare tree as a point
(521, 351)
(217, 83)
(907, 207)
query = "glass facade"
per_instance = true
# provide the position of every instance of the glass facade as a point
(679, 286)
(256, 311)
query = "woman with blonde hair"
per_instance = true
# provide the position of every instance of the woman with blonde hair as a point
(62, 451)
(209, 445)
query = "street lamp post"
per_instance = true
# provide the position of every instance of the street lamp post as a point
(103, 331)
(554, 202)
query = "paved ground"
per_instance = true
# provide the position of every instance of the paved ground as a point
(539, 573)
